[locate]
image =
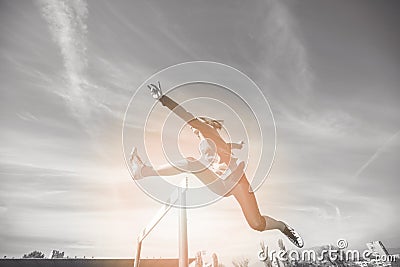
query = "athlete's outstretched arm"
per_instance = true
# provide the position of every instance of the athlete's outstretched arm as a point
(175, 107)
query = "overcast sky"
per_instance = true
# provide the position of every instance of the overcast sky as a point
(330, 70)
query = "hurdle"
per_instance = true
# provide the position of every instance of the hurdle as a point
(178, 196)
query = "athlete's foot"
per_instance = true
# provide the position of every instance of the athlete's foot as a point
(293, 236)
(137, 164)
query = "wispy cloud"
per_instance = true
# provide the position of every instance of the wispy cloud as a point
(377, 153)
(67, 24)
(27, 116)
(285, 50)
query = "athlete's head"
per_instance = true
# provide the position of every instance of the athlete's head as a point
(196, 132)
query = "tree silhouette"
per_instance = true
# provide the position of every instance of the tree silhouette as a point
(34, 254)
(55, 254)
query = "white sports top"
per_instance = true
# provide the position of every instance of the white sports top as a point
(210, 158)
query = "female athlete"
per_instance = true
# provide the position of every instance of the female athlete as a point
(217, 167)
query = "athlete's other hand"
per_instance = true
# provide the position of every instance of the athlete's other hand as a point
(155, 90)
(241, 144)
(237, 145)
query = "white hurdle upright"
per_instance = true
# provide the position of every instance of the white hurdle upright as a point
(178, 196)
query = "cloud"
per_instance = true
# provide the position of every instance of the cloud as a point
(377, 153)
(67, 25)
(86, 98)
(336, 208)
(27, 116)
(286, 60)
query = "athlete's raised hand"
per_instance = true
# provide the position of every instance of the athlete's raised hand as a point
(155, 90)
(236, 145)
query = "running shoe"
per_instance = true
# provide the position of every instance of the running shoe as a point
(136, 164)
(293, 236)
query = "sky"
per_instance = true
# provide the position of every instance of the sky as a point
(329, 69)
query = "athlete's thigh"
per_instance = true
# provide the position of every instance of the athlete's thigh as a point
(247, 200)
(173, 169)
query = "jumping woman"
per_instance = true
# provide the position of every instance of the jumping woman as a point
(220, 168)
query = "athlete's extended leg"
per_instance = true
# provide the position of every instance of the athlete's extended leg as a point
(181, 166)
(141, 170)
(187, 165)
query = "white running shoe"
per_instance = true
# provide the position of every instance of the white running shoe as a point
(293, 236)
(136, 164)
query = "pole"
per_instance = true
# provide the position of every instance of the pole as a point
(183, 238)
(178, 195)
(138, 249)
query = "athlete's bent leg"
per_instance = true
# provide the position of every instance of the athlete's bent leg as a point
(248, 203)
(249, 206)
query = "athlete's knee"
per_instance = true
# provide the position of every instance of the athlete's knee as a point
(193, 165)
(258, 225)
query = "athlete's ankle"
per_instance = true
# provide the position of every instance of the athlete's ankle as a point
(148, 171)
(282, 226)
